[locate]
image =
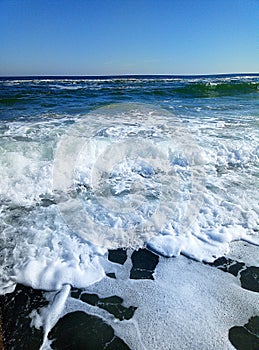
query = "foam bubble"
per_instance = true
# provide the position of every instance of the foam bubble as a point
(139, 135)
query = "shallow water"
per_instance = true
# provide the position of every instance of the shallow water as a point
(167, 163)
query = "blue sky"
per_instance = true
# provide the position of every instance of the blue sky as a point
(83, 37)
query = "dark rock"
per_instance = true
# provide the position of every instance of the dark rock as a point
(15, 309)
(246, 337)
(228, 265)
(250, 278)
(80, 331)
(144, 263)
(75, 293)
(118, 256)
(112, 304)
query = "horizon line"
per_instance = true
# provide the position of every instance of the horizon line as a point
(123, 75)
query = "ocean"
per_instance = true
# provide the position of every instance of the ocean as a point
(129, 213)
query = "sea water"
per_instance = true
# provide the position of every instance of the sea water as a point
(165, 163)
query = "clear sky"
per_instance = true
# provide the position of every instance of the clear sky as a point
(96, 37)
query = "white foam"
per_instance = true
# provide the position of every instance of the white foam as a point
(188, 306)
(38, 247)
(50, 314)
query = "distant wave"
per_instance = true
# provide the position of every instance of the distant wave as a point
(20, 91)
(217, 89)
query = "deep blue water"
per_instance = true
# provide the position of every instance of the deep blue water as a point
(32, 97)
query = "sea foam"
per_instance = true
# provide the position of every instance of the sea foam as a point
(195, 204)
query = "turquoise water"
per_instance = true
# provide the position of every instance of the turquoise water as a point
(181, 154)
